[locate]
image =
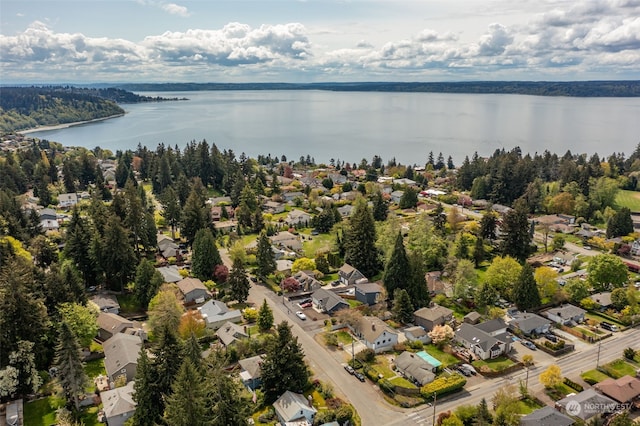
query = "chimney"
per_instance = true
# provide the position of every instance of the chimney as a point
(373, 327)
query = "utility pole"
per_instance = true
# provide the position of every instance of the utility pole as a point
(598, 359)
(435, 396)
(526, 381)
(353, 355)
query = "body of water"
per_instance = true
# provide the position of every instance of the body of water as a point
(351, 126)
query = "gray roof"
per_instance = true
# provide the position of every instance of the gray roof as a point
(230, 332)
(113, 323)
(366, 288)
(435, 313)
(328, 300)
(567, 311)
(214, 310)
(187, 285)
(119, 351)
(105, 301)
(372, 327)
(118, 401)
(253, 365)
(492, 326)
(527, 321)
(602, 299)
(411, 364)
(546, 416)
(474, 335)
(170, 274)
(289, 405)
(473, 316)
(416, 331)
(586, 398)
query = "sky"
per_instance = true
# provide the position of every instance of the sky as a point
(91, 41)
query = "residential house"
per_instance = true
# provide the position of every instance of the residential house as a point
(286, 239)
(368, 293)
(193, 290)
(635, 248)
(292, 195)
(414, 368)
(217, 214)
(558, 222)
(119, 405)
(230, 333)
(396, 196)
(500, 209)
(602, 299)
(297, 217)
(106, 302)
(294, 409)
(436, 285)
(486, 340)
(214, 201)
(48, 220)
(585, 399)
(251, 371)
(225, 227)
(417, 333)
(121, 356)
(375, 334)
(624, 390)
(345, 211)
(283, 265)
(546, 416)
(566, 314)
(216, 313)
(47, 213)
(68, 200)
(328, 301)
(170, 274)
(111, 324)
(404, 181)
(530, 324)
(273, 207)
(307, 280)
(427, 318)
(472, 318)
(166, 246)
(349, 275)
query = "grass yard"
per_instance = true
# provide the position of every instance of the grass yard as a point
(317, 243)
(597, 317)
(527, 406)
(95, 368)
(496, 364)
(402, 382)
(344, 337)
(619, 368)
(42, 411)
(630, 199)
(382, 367)
(353, 303)
(593, 376)
(128, 303)
(89, 416)
(445, 358)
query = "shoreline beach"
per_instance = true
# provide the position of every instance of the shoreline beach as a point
(66, 125)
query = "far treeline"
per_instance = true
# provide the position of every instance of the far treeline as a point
(630, 88)
(24, 108)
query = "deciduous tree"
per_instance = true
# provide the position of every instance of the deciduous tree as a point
(82, 320)
(607, 271)
(551, 377)
(164, 311)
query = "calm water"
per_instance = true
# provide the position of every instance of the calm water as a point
(351, 126)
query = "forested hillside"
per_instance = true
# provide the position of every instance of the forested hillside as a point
(27, 107)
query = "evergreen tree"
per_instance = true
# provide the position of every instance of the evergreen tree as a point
(239, 284)
(620, 224)
(77, 246)
(402, 307)
(168, 359)
(187, 403)
(409, 199)
(516, 241)
(525, 290)
(397, 271)
(147, 282)
(205, 256)
(193, 352)
(265, 317)
(194, 216)
(146, 394)
(69, 364)
(439, 218)
(226, 402)
(417, 286)
(360, 239)
(284, 368)
(264, 256)
(118, 260)
(488, 225)
(380, 207)
(479, 251)
(483, 415)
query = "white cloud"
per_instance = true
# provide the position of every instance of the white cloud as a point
(175, 9)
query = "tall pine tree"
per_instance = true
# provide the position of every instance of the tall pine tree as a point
(265, 317)
(516, 240)
(264, 256)
(187, 404)
(397, 271)
(147, 395)
(239, 284)
(525, 290)
(360, 239)
(205, 256)
(69, 364)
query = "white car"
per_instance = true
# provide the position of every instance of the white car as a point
(301, 315)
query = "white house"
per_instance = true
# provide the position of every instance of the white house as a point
(297, 217)
(67, 200)
(294, 409)
(118, 404)
(487, 340)
(375, 334)
(566, 314)
(216, 313)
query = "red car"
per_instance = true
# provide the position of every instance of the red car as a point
(306, 305)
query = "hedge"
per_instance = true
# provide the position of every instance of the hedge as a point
(573, 385)
(443, 385)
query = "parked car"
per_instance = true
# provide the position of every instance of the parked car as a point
(303, 301)
(301, 315)
(551, 337)
(464, 371)
(349, 369)
(470, 367)
(528, 344)
(609, 326)
(306, 305)
(360, 376)
(314, 232)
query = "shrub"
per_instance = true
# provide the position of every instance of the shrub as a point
(366, 355)
(416, 345)
(250, 314)
(386, 386)
(371, 373)
(323, 417)
(554, 346)
(399, 347)
(443, 385)
(331, 339)
(573, 385)
(629, 353)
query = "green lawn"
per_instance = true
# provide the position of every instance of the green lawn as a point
(382, 367)
(318, 243)
(619, 368)
(42, 411)
(402, 382)
(630, 199)
(353, 303)
(527, 406)
(597, 317)
(593, 376)
(89, 416)
(496, 364)
(95, 368)
(344, 337)
(445, 358)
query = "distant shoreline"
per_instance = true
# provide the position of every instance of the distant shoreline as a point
(65, 125)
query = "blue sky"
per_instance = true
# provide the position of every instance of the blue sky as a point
(79, 41)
